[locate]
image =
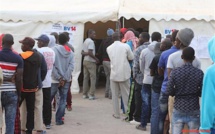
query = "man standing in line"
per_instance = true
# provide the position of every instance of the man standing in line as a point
(32, 64)
(106, 60)
(146, 58)
(138, 76)
(120, 72)
(183, 40)
(61, 75)
(89, 65)
(49, 56)
(12, 65)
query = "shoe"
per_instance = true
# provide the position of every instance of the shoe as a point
(85, 97)
(110, 97)
(140, 127)
(134, 122)
(116, 117)
(59, 123)
(62, 118)
(48, 126)
(92, 98)
(126, 119)
(41, 132)
(69, 108)
(106, 95)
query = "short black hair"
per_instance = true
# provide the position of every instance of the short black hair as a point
(62, 39)
(145, 35)
(174, 33)
(67, 35)
(167, 42)
(7, 39)
(156, 36)
(188, 53)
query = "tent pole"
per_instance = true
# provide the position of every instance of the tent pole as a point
(123, 22)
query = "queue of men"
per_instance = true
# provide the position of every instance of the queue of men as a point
(167, 81)
(31, 79)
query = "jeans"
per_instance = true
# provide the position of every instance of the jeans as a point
(146, 104)
(155, 112)
(47, 106)
(62, 103)
(163, 104)
(179, 119)
(9, 104)
(138, 101)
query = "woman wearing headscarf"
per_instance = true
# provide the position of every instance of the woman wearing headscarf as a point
(131, 40)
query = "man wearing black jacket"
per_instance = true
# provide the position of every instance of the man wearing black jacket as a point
(32, 63)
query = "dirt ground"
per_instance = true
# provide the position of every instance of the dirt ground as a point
(93, 117)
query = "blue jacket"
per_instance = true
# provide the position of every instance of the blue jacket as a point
(207, 117)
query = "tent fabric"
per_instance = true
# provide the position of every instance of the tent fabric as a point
(65, 11)
(168, 9)
(81, 11)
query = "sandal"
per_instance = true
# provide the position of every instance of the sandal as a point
(116, 117)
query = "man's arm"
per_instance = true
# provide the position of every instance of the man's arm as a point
(1, 76)
(18, 80)
(142, 62)
(170, 85)
(90, 53)
(161, 71)
(43, 68)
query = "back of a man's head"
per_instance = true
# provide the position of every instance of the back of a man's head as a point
(145, 36)
(167, 43)
(116, 36)
(62, 39)
(7, 40)
(174, 33)
(188, 54)
(156, 36)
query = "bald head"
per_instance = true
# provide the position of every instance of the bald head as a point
(116, 36)
(7, 40)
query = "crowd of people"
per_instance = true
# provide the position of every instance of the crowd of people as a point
(159, 82)
(31, 80)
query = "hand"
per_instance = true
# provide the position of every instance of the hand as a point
(97, 61)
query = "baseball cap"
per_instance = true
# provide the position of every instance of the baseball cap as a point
(28, 41)
(43, 38)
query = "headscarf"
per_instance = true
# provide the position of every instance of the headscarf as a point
(129, 36)
(1, 37)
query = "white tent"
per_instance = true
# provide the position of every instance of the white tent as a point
(32, 18)
(166, 15)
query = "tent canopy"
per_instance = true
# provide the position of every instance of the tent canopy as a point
(168, 9)
(81, 11)
(74, 11)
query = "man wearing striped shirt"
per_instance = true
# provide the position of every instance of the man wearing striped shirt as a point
(12, 67)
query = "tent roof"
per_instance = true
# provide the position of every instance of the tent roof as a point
(81, 11)
(168, 9)
(74, 11)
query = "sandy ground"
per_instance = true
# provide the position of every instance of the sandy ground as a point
(93, 117)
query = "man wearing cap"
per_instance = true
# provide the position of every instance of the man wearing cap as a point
(32, 64)
(49, 56)
(12, 67)
(106, 61)
(183, 38)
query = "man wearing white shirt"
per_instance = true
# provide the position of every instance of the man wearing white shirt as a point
(49, 56)
(120, 54)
